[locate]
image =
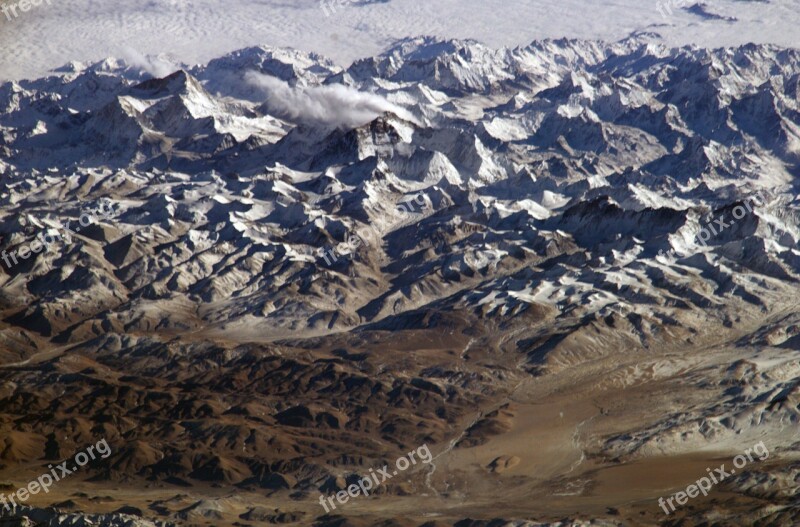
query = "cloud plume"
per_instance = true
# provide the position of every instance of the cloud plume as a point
(156, 66)
(333, 105)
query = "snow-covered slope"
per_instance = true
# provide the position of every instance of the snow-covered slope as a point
(564, 172)
(563, 203)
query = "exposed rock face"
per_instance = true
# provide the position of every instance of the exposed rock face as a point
(268, 299)
(34, 517)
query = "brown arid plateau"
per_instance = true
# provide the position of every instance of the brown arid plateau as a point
(234, 434)
(524, 323)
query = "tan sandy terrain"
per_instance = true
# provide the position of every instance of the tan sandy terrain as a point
(538, 448)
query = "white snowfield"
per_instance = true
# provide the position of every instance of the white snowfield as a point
(192, 31)
(561, 172)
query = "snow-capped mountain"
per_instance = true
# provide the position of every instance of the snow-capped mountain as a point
(565, 201)
(600, 155)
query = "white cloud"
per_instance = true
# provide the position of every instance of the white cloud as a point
(333, 105)
(155, 66)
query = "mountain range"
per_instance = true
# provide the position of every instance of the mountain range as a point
(577, 263)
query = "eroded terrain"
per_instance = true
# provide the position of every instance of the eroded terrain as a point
(510, 261)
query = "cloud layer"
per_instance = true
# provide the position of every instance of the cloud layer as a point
(334, 105)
